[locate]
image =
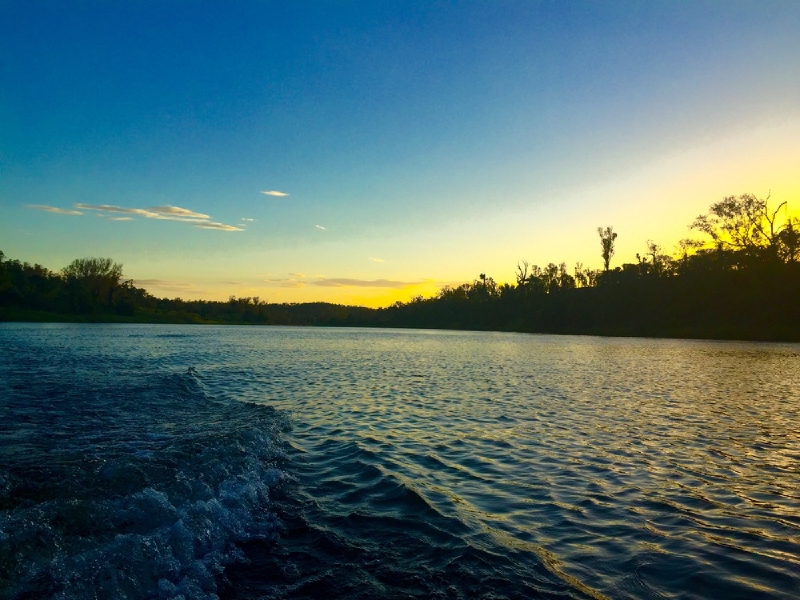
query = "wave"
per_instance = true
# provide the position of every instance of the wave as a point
(132, 489)
(355, 527)
(596, 474)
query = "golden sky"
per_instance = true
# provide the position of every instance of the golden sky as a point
(364, 154)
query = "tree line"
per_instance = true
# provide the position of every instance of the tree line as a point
(93, 289)
(742, 281)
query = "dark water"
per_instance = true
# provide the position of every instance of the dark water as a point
(226, 462)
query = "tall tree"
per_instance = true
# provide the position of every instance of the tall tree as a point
(98, 276)
(607, 241)
(522, 273)
(747, 224)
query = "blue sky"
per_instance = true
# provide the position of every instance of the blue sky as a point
(418, 143)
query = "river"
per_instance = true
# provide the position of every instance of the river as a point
(160, 461)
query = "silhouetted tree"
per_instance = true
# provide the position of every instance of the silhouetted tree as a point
(522, 272)
(585, 277)
(607, 241)
(581, 280)
(96, 277)
(8, 291)
(789, 239)
(660, 263)
(745, 283)
(746, 224)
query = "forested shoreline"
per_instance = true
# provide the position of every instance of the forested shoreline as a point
(741, 282)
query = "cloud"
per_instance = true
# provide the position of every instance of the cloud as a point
(380, 283)
(119, 209)
(110, 218)
(54, 209)
(249, 220)
(163, 213)
(288, 282)
(274, 193)
(320, 227)
(219, 226)
(295, 280)
(177, 211)
(376, 259)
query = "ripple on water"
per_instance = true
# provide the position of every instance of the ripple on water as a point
(454, 464)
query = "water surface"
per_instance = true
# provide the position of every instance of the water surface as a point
(234, 462)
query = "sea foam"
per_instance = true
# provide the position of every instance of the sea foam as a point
(141, 491)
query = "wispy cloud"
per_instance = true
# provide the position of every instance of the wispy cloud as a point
(320, 227)
(119, 209)
(110, 218)
(274, 193)
(168, 213)
(220, 226)
(247, 219)
(177, 211)
(379, 283)
(293, 281)
(378, 260)
(54, 209)
(163, 213)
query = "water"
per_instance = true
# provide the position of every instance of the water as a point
(143, 461)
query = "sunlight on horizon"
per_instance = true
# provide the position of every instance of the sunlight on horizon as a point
(385, 166)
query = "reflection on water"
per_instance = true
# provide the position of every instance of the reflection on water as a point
(460, 464)
(633, 466)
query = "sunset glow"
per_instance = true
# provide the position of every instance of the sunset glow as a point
(382, 150)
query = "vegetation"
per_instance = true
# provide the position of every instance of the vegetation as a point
(607, 241)
(741, 282)
(92, 290)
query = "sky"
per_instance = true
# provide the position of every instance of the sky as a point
(368, 152)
